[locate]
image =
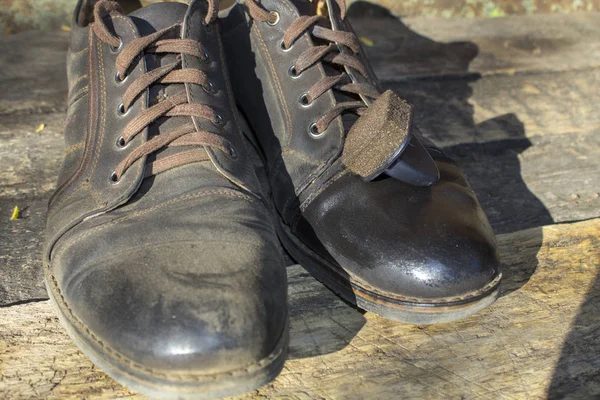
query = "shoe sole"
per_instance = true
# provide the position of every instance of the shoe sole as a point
(192, 386)
(409, 310)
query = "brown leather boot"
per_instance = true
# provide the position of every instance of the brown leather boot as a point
(370, 208)
(160, 253)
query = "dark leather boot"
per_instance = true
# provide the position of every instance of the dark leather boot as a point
(370, 208)
(160, 252)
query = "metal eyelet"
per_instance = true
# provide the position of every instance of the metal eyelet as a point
(220, 121)
(209, 88)
(120, 80)
(121, 144)
(304, 101)
(314, 131)
(293, 72)
(206, 58)
(283, 48)
(206, 26)
(275, 17)
(113, 178)
(115, 50)
(232, 152)
(121, 110)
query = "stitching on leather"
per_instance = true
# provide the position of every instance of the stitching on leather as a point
(320, 190)
(452, 299)
(85, 183)
(73, 148)
(78, 95)
(79, 52)
(82, 77)
(364, 285)
(104, 95)
(81, 168)
(100, 135)
(226, 192)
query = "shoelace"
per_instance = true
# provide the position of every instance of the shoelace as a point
(324, 53)
(172, 106)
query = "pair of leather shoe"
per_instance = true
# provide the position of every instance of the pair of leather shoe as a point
(162, 246)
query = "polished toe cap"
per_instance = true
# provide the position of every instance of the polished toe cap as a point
(405, 241)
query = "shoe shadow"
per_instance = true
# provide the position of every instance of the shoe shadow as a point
(577, 372)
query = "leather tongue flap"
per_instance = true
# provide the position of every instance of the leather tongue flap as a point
(377, 141)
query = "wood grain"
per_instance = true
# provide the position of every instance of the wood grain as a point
(538, 340)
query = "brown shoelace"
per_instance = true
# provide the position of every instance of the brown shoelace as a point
(324, 53)
(172, 106)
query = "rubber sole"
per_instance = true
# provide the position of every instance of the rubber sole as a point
(413, 311)
(191, 386)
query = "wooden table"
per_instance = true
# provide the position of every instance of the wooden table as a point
(514, 100)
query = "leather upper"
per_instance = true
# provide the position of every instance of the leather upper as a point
(179, 271)
(407, 241)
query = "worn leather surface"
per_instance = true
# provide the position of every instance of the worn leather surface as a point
(176, 272)
(407, 241)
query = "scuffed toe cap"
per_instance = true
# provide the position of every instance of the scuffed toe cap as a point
(164, 307)
(188, 289)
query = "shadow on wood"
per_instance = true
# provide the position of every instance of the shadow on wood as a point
(577, 373)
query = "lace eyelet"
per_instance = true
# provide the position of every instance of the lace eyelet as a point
(314, 131)
(209, 88)
(113, 178)
(206, 26)
(232, 152)
(220, 121)
(294, 73)
(274, 19)
(121, 144)
(206, 58)
(304, 101)
(121, 110)
(116, 50)
(120, 80)
(283, 48)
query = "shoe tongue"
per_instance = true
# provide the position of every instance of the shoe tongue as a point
(148, 20)
(158, 16)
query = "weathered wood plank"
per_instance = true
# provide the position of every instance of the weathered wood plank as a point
(30, 166)
(30, 159)
(33, 75)
(422, 47)
(538, 340)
